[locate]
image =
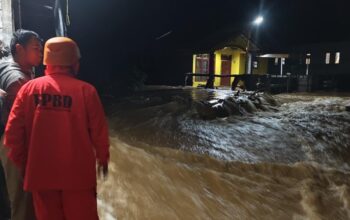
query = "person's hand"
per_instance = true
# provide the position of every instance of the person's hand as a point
(102, 170)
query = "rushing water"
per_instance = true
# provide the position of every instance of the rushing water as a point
(290, 161)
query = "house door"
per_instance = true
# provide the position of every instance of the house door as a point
(225, 69)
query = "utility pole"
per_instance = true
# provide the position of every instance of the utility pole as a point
(248, 54)
(283, 60)
(257, 22)
(61, 28)
(308, 61)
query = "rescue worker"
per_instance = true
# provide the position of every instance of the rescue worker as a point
(26, 51)
(57, 134)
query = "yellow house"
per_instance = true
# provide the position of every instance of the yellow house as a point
(230, 60)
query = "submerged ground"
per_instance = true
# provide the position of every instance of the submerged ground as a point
(289, 160)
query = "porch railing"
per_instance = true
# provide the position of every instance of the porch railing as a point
(267, 82)
(237, 77)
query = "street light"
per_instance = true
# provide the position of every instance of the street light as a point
(257, 22)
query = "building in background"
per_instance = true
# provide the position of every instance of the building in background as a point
(327, 64)
(225, 55)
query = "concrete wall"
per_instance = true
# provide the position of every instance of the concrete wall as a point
(6, 20)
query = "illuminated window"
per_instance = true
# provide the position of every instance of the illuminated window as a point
(255, 64)
(276, 61)
(328, 58)
(308, 61)
(337, 57)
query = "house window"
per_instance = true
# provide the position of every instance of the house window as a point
(328, 58)
(276, 61)
(337, 57)
(202, 67)
(255, 64)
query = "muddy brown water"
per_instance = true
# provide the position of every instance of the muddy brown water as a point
(168, 163)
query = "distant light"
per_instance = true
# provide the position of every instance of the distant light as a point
(337, 58)
(258, 20)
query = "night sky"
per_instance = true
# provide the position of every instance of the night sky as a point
(117, 35)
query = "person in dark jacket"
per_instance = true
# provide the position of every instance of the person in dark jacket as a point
(5, 210)
(26, 50)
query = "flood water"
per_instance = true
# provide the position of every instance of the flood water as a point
(290, 161)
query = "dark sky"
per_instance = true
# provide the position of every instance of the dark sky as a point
(116, 34)
(139, 21)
